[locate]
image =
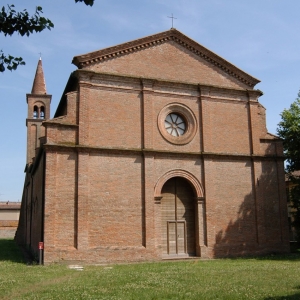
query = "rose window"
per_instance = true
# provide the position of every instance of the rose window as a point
(175, 124)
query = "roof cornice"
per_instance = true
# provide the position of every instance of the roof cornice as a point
(81, 61)
(122, 78)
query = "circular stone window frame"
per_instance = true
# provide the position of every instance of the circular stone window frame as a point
(189, 118)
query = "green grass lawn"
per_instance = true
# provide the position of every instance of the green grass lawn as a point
(275, 277)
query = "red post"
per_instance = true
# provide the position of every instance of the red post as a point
(41, 248)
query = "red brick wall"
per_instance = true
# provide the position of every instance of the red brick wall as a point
(168, 61)
(226, 128)
(30, 227)
(35, 205)
(109, 118)
(108, 155)
(60, 199)
(114, 201)
(116, 209)
(230, 204)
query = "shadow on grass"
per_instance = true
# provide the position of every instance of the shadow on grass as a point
(9, 251)
(295, 296)
(276, 257)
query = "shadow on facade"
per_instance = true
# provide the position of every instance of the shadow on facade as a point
(261, 223)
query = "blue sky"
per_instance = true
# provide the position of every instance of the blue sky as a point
(261, 37)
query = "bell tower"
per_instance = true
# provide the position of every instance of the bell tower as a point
(38, 102)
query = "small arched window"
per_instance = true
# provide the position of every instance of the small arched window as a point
(42, 112)
(35, 112)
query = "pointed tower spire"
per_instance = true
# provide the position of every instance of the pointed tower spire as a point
(38, 102)
(39, 83)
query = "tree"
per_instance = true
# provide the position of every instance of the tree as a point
(289, 130)
(22, 23)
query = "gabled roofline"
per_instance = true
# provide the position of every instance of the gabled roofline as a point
(81, 61)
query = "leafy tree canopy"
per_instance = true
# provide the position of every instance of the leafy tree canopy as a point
(289, 130)
(87, 2)
(22, 23)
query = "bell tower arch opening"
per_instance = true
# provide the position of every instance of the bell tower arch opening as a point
(42, 112)
(35, 112)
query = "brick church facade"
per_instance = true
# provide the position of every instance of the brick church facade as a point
(158, 149)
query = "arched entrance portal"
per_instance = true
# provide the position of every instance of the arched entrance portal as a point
(178, 213)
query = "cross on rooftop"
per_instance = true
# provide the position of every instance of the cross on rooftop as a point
(172, 19)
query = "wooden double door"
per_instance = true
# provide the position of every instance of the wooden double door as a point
(178, 218)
